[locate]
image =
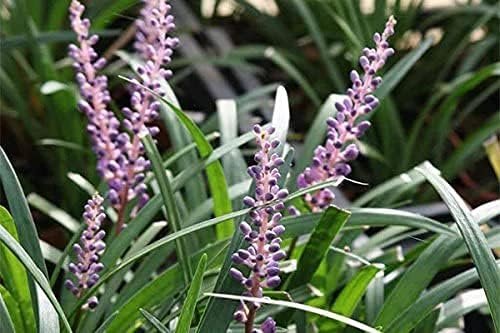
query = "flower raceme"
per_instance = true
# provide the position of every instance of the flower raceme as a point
(331, 160)
(155, 46)
(120, 154)
(263, 233)
(88, 251)
(103, 127)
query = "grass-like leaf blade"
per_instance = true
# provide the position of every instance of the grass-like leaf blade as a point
(173, 215)
(6, 324)
(189, 307)
(329, 225)
(155, 322)
(301, 307)
(14, 275)
(476, 242)
(36, 273)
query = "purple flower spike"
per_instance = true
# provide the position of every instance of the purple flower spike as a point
(91, 246)
(155, 47)
(330, 160)
(262, 255)
(103, 126)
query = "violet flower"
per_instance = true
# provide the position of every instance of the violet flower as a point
(263, 233)
(155, 46)
(87, 266)
(331, 160)
(103, 126)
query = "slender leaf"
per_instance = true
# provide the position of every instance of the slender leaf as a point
(302, 307)
(37, 275)
(329, 225)
(155, 322)
(215, 172)
(172, 213)
(14, 275)
(410, 316)
(476, 242)
(189, 307)
(6, 324)
(350, 296)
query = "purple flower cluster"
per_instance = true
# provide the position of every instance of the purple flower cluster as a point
(103, 126)
(263, 233)
(87, 266)
(331, 160)
(121, 160)
(155, 47)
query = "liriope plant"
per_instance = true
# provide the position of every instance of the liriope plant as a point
(310, 267)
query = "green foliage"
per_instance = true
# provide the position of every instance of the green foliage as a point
(345, 268)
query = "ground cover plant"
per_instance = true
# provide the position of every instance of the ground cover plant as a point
(205, 239)
(446, 62)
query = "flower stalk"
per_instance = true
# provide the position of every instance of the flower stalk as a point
(331, 160)
(88, 251)
(264, 252)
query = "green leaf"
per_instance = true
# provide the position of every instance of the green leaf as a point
(428, 324)
(329, 225)
(411, 315)
(172, 213)
(301, 307)
(37, 275)
(165, 285)
(157, 324)
(476, 242)
(350, 296)
(215, 173)
(28, 237)
(18, 206)
(13, 309)
(416, 278)
(189, 307)
(6, 324)
(14, 275)
(361, 217)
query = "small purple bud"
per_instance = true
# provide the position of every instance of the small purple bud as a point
(249, 201)
(279, 255)
(236, 274)
(273, 281)
(245, 228)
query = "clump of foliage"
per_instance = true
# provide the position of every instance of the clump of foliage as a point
(260, 267)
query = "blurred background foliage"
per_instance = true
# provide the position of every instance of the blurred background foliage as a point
(440, 99)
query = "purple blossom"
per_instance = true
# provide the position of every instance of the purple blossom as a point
(103, 126)
(120, 155)
(262, 255)
(155, 47)
(88, 251)
(331, 160)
